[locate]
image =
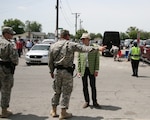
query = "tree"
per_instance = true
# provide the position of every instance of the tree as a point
(33, 26)
(17, 25)
(132, 32)
(98, 35)
(79, 33)
(144, 35)
(123, 36)
(92, 35)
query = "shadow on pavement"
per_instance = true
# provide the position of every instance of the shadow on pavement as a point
(109, 107)
(20, 116)
(144, 76)
(85, 118)
(106, 107)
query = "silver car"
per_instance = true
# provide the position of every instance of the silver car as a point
(38, 54)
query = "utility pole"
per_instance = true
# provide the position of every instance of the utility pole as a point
(76, 17)
(57, 18)
(81, 24)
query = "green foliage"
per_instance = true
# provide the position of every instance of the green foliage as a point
(144, 35)
(123, 36)
(92, 35)
(19, 27)
(98, 35)
(79, 34)
(132, 32)
(33, 26)
(16, 24)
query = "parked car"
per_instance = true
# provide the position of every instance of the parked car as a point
(121, 44)
(38, 54)
(48, 41)
(110, 38)
(140, 43)
(127, 43)
(145, 51)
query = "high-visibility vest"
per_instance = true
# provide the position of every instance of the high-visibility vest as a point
(135, 53)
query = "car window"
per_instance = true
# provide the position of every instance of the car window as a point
(147, 42)
(40, 47)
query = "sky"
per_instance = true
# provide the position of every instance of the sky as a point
(95, 16)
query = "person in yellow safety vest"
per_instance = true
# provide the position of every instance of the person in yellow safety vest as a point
(134, 55)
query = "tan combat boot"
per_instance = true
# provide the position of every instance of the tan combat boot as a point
(64, 114)
(6, 113)
(53, 112)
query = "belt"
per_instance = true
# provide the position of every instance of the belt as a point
(61, 67)
(1, 62)
(69, 69)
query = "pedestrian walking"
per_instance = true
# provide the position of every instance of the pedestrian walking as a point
(134, 55)
(61, 57)
(8, 61)
(19, 46)
(88, 66)
(114, 51)
(119, 54)
(29, 44)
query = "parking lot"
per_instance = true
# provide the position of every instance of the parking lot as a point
(121, 96)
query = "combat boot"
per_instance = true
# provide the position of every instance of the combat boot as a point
(53, 112)
(64, 114)
(6, 113)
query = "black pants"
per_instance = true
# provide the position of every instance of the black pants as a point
(19, 52)
(135, 65)
(92, 84)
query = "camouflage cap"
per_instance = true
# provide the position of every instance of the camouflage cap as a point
(64, 33)
(8, 30)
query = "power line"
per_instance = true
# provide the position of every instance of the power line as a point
(65, 16)
(69, 6)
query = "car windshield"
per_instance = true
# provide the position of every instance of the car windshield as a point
(40, 47)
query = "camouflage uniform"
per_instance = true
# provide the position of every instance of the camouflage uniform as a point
(62, 53)
(7, 54)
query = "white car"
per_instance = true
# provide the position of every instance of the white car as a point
(38, 54)
(48, 41)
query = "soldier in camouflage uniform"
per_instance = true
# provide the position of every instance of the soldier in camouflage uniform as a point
(8, 61)
(61, 57)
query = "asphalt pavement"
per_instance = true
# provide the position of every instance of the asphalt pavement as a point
(121, 96)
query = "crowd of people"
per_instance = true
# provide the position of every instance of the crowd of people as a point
(22, 45)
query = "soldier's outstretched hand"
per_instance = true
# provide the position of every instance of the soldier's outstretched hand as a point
(102, 48)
